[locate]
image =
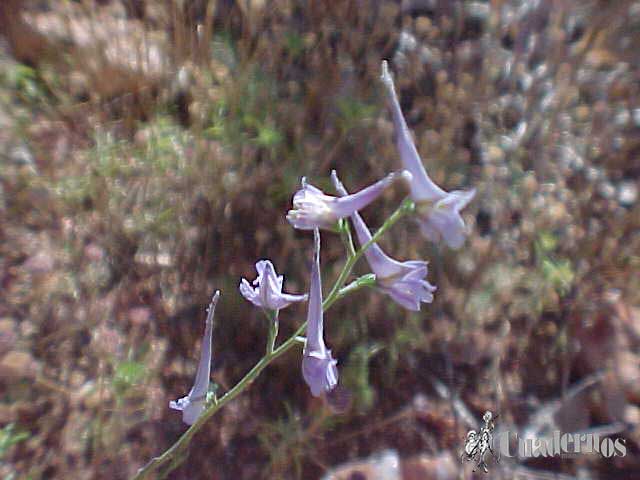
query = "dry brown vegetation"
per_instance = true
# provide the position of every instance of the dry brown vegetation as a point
(148, 154)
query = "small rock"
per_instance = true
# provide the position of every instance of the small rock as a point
(94, 252)
(479, 10)
(583, 113)
(423, 25)
(495, 153)
(593, 174)
(606, 190)
(41, 262)
(18, 365)
(618, 143)
(21, 156)
(627, 193)
(431, 57)
(382, 466)
(632, 415)
(80, 394)
(525, 80)
(507, 143)
(621, 117)
(27, 328)
(140, 316)
(441, 467)
(77, 379)
(557, 211)
(407, 42)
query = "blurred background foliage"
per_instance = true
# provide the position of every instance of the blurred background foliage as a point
(148, 154)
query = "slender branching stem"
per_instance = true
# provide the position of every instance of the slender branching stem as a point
(176, 454)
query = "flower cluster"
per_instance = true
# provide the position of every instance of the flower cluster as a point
(405, 282)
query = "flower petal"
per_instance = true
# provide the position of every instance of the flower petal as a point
(443, 220)
(318, 366)
(191, 410)
(266, 291)
(404, 298)
(249, 292)
(194, 404)
(315, 340)
(347, 205)
(201, 383)
(381, 264)
(312, 208)
(320, 373)
(286, 299)
(422, 187)
(402, 281)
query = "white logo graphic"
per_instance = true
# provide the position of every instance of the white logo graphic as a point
(478, 443)
(555, 443)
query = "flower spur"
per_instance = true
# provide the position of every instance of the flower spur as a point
(439, 211)
(194, 403)
(318, 366)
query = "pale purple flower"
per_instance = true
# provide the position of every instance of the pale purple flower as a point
(439, 210)
(312, 208)
(267, 290)
(404, 282)
(318, 367)
(194, 403)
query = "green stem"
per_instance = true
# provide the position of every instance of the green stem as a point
(183, 442)
(179, 447)
(273, 330)
(347, 239)
(368, 280)
(406, 207)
